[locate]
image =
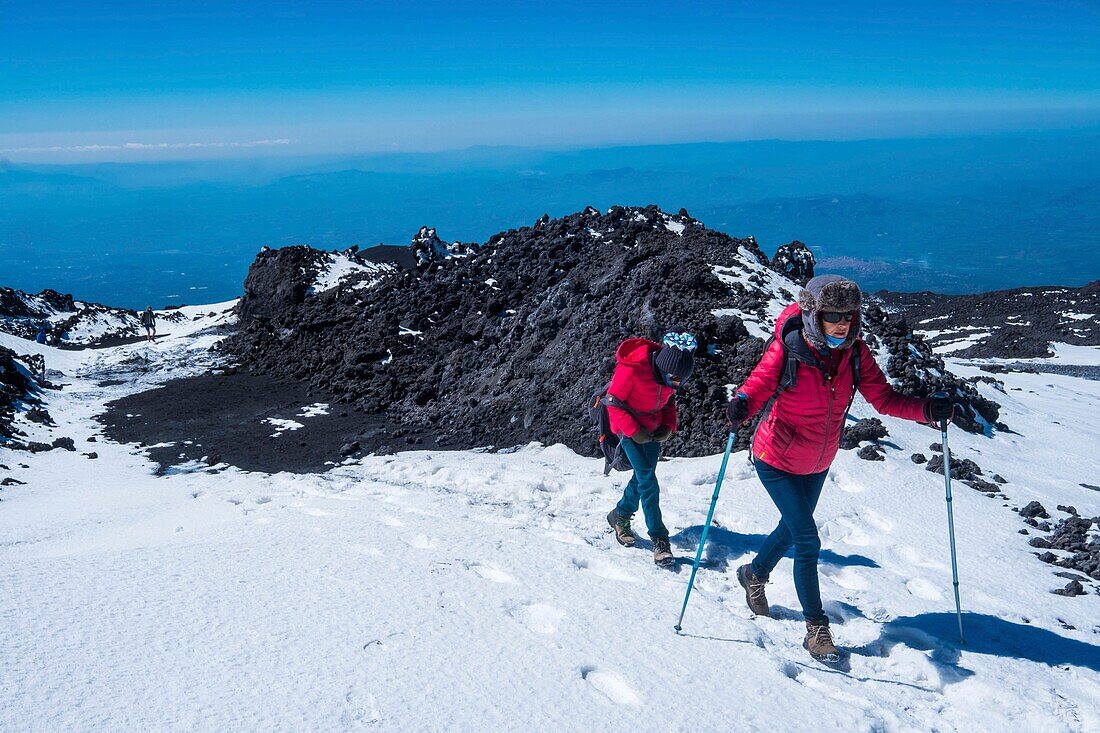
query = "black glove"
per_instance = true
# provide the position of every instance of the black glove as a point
(662, 433)
(737, 410)
(939, 407)
(642, 436)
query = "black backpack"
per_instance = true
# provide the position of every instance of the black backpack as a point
(610, 444)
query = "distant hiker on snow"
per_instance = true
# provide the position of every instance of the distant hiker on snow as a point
(149, 320)
(642, 410)
(814, 366)
(42, 334)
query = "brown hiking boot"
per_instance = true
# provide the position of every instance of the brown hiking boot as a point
(819, 642)
(620, 524)
(662, 551)
(754, 590)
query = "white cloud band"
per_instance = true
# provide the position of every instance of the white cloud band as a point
(146, 146)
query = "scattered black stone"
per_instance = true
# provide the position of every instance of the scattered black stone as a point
(936, 447)
(1040, 542)
(1048, 557)
(1067, 509)
(918, 458)
(1023, 531)
(999, 478)
(65, 443)
(91, 439)
(981, 485)
(92, 455)
(962, 469)
(348, 449)
(1043, 526)
(39, 415)
(36, 447)
(1034, 509)
(1071, 535)
(872, 452)
(1090, 486)
(9, 481)
(1073, 588)
(1073, 576)
(869, 428)
(214, 459)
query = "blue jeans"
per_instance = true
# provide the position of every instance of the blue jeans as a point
(796, 498)
(642, 486)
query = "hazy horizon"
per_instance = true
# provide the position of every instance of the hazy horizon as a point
(948, 214)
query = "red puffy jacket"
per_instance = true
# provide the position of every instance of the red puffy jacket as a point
(635, 384)
(801, 434)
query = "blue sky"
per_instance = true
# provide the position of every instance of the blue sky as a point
(143, 80)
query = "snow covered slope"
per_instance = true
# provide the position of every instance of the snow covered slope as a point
(468, 590)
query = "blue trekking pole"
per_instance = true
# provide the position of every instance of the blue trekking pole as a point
(703, 539)
(951, 525)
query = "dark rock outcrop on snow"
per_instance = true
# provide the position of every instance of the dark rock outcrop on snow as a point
(501, 343)
(18, 391)
(67, 321)
(1071, 535)
(1020, 323)
(869, 428)
(796, 261)
(917, 371)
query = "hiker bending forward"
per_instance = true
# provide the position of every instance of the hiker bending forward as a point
(795, 445)
(647, 375)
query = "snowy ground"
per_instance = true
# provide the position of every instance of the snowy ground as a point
(473, 591)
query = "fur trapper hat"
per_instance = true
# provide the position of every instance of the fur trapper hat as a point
(829, 293)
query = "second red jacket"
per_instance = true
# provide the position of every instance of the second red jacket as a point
(635, 384)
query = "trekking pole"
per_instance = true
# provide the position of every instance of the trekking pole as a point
(703, 539)
(951, 526)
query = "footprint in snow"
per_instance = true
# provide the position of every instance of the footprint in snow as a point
(604, 570)
(922, 588)
(490, 573)
(421, 542)
(541, 618)
(847, 578)
(611, 685)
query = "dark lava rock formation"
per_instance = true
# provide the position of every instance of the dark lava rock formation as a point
(502, 343)
(19, 390)
(1021, 323)
(796, 261)
(67, 321)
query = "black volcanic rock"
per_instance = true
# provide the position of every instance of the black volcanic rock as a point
(796, 261)
(15, 389)
(869, 428)
(1021, 323)
(502, 343)
(918, 371)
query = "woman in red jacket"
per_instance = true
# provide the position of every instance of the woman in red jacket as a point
(642, 410)
(795, 445)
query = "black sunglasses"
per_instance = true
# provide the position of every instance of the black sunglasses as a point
(831, 317)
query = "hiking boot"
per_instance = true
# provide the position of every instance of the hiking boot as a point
(819, 642)
(662, 551)
(754, 590)
(620, 524)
